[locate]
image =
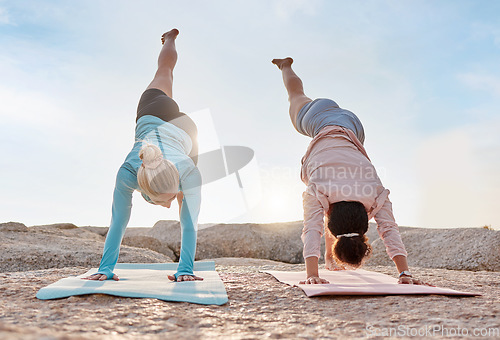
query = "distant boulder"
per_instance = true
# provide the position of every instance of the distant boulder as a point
(97, 230)
(460, 249)
(13, 226)
(57, 226)
(45, 247)
(274, 241)
(148, 242)
(64, 244)
(66, 229)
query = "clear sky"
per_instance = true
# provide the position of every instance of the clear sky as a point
(423, 76)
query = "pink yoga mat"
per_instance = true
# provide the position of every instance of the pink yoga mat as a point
(358, 282)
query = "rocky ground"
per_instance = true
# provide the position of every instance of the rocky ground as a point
(258, 307)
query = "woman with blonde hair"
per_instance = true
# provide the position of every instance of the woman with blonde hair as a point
(161, 165)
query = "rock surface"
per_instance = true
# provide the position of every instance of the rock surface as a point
(13, 226)
(468, 249)
(64, 244)
(151, 243)
(98, 230)
(258, 307)
(51, 246)
(461, 249)
(274, 241)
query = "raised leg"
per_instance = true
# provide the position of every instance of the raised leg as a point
(294, 87)
(164, 76)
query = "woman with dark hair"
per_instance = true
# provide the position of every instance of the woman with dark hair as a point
(342, 186)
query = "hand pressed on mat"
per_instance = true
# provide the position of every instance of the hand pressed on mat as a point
(314, 280)
(102, 277)
(411, 280)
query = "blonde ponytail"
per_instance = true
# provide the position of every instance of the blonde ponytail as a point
(156, 175)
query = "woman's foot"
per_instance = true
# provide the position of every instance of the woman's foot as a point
(99, 277)
(331, 264)
(282, 62)
(181, 278)
(172, 34)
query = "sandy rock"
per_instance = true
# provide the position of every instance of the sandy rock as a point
(274, 241)
(149, 242)
(57, 226)
(13, 226)
(259, 307)
(469, 249)
(97, 230)
(153, 239)
(277, 241)
(47, 247)
(372, 233)
(167, 231)
(66, 229)
(281, 242)
(135, 231)
(460, 249)
(242, 261)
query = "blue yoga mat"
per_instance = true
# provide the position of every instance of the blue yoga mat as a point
(145, 280)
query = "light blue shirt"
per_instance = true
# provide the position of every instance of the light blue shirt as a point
(175, 145)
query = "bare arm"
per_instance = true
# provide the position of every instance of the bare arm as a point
(389, 233)
(311, 237)
(400, 262)
(312, 272)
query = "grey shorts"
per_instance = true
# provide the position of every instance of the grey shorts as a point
(323, 112)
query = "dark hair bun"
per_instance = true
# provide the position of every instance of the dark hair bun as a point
(345, 218)
(352, 250)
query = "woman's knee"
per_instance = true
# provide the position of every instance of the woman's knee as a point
(297, 103)
(162, 81)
